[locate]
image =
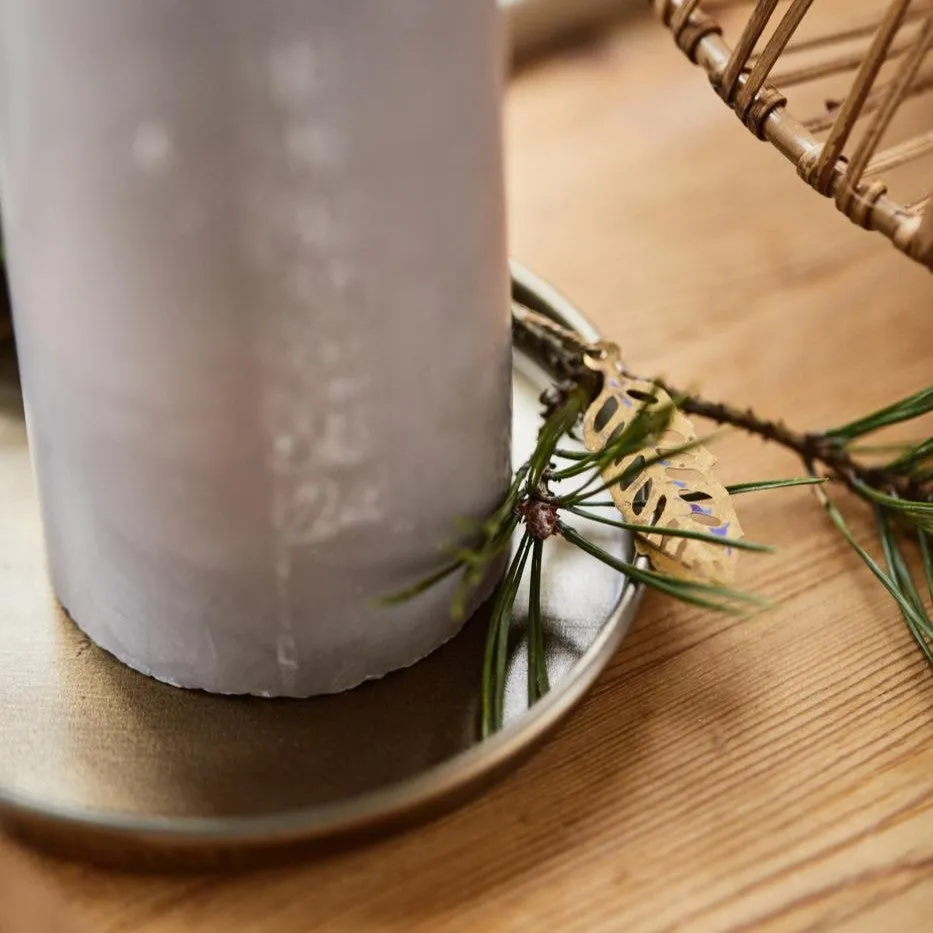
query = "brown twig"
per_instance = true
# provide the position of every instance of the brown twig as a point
(811, 447)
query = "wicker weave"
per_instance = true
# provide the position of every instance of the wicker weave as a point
(847, 98)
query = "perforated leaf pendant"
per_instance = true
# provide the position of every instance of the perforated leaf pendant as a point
(679, 492)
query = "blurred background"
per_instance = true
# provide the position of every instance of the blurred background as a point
(636, 190)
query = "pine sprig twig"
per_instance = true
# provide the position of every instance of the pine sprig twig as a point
(831, 449)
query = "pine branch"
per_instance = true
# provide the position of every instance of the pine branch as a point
(900, 492)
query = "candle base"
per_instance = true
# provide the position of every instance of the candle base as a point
(99, 762)
(422, 641)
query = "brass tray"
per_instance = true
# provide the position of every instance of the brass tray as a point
(101, 762)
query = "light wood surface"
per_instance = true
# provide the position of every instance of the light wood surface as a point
(28, 904)
(769, 775)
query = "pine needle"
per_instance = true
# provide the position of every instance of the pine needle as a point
(913, 406)
(497, 642)
(913, 457)
(926, 551)
(918, 513)
(719, 540)
(915, 622)
(538, 684)
(644, 427)
(897, 565)
(628, 476)
(741, 488)
(424, 584)
(705, 595)
(556, 426)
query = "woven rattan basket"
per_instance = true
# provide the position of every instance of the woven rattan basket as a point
(842, 88)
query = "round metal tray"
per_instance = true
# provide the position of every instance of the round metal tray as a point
(101, 762)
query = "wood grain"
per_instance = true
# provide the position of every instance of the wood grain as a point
(27, 905)
(769, 775)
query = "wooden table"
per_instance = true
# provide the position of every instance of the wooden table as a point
(769, 775)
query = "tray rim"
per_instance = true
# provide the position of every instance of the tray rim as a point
(438, 788)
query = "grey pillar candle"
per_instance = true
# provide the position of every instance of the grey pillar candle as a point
(260, 293)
